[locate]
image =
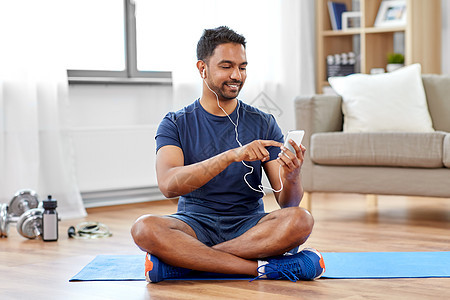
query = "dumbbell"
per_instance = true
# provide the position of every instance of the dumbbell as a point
(23, 201)
(29, 224)
(4, 220)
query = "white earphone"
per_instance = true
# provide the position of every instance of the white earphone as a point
(261, 187)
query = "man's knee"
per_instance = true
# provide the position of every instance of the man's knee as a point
(300, 222)
(145, 230)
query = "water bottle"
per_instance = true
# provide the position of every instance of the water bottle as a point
(49, 220)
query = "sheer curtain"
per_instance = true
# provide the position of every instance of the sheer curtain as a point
(280, 47)
(35, 149)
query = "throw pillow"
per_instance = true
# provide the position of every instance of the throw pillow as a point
(384, 102)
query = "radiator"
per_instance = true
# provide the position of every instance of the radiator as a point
(121, 196)
(116, 165)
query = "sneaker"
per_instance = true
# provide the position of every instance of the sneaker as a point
(307, 264)
(156, 270)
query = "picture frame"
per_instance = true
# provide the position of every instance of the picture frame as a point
(392, 13)
(351, 19)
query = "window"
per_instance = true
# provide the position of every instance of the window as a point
(103, 46)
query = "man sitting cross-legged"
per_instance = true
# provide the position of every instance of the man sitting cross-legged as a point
(211, 155)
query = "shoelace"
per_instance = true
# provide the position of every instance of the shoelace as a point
(286, 269)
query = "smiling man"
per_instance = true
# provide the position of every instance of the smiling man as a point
(211, 155)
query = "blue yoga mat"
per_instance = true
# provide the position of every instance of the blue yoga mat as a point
(131, 267)
(338, 265)
(387, 264)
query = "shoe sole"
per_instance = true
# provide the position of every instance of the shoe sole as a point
(150, 266)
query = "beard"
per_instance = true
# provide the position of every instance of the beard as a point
(228, 90)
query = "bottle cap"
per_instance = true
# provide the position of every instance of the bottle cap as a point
(49, 203)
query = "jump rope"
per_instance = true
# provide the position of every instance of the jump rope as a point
(260, 187)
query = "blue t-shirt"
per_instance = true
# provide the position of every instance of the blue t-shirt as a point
(202, 135)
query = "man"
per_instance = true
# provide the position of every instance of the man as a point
(211, 155)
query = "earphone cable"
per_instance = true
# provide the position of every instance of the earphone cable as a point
(261, 187)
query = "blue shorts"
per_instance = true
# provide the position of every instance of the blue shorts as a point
(212, 229)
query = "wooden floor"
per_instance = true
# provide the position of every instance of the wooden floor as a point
(33, 269)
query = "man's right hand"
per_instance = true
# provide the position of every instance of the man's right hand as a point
(255, 150)
(176, 179)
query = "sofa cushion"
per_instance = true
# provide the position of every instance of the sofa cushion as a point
(384, 102)
(437, 89)
(421, 150)
(447, 150)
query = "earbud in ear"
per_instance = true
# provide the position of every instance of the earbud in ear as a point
(204, 74)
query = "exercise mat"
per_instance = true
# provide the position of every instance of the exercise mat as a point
(338, 265)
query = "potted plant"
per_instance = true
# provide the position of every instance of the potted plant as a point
(395, 61)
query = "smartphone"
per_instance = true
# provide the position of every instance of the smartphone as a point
(296, 136)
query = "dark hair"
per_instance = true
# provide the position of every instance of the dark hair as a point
(212, 38)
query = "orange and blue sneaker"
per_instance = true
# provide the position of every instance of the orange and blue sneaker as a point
(156, 270)
(307, 264)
